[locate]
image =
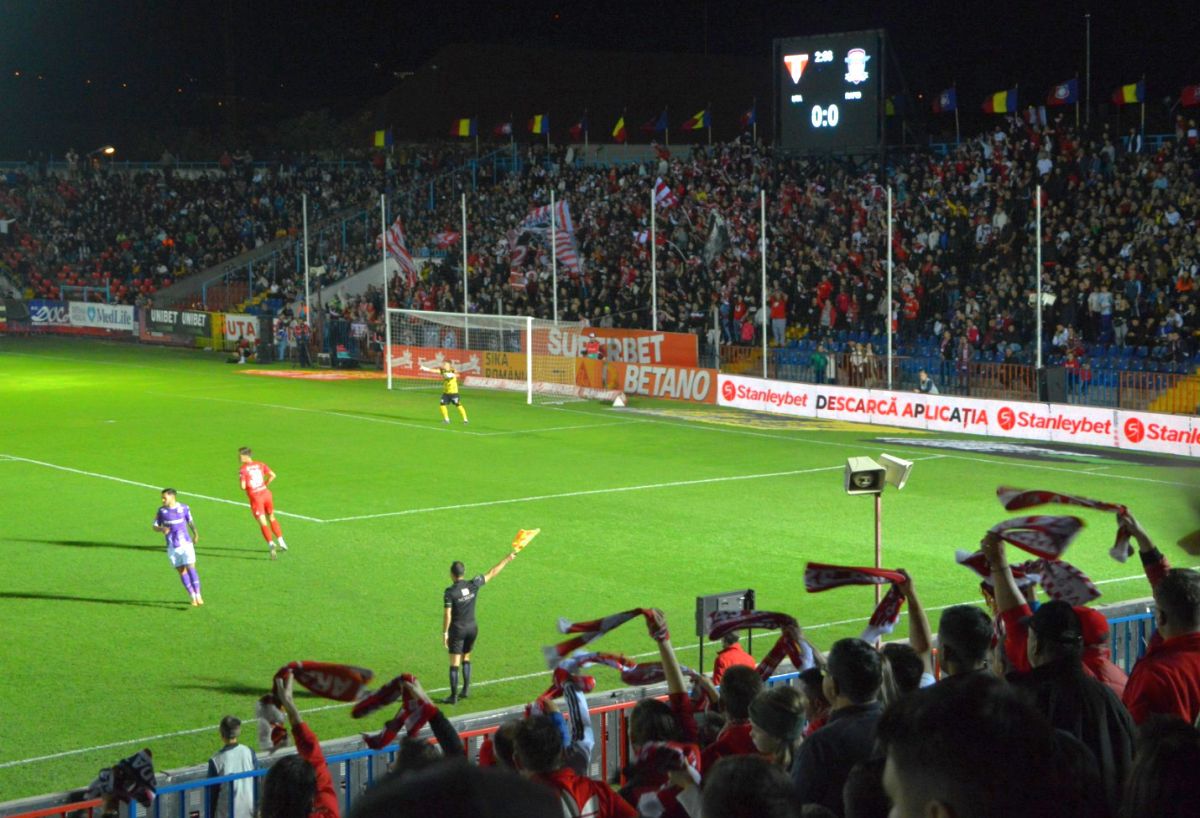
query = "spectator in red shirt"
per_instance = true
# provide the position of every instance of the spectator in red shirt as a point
(1097, 658)
(298, 786)
(741, 684)
(730, 655)
(1166, 680)
(539, 747)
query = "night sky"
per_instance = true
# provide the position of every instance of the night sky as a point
(74, 71)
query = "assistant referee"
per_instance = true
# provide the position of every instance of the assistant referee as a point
(459, 627)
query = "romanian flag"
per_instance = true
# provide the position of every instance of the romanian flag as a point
(463, 127)
(383, 139)
(1065, 93)
(1002, 102)
(698, 122)
(750, 117)
(1126, 94)
(656, 124)
(539, 124)
(618, 131)
(946, 101)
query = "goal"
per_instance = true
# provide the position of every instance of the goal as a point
(518, 353)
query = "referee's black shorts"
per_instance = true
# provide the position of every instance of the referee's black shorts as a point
(461, 640)
(448, 398)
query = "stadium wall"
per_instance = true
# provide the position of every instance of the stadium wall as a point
(1061, 423)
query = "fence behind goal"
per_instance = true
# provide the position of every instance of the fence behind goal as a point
(532, 355)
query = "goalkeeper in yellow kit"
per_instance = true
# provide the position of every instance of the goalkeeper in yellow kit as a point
(449, 390)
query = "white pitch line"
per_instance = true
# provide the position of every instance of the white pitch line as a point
(585, 493)
(149, 486)
(482, 683)
(559, 428)
(1070, 471)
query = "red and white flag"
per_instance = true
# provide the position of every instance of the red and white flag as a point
(664, 198)
(397, 248)
(446, 239)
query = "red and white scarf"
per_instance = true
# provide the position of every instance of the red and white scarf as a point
(1015, 499)
(593, 629)
(650, 673)
(660, 758)
(342, 683)
(1043, 536)
(411, 717)
(568, 671)
(272, 729)
(799, 652)
(1058, 578)
(820, 577)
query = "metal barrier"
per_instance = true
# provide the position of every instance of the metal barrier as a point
(1128, 637)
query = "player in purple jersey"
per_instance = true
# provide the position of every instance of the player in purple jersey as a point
(175, 520)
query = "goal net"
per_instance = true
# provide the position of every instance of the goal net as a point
(538, 357)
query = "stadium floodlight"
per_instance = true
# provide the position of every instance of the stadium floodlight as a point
(107, 150)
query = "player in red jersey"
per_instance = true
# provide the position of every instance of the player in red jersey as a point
(256, 477)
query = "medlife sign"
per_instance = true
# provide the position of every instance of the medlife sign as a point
(117, 317)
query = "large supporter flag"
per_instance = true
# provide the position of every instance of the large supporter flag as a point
(698, 122)
(664, 197)
(945, 102)
(539, 123)
(618, 131)
(463, 127)
(383, 139)
(1132, 93)
(656, 124)
(397, 248)
(1189, 97)
(1065, 93)
(1001, 102)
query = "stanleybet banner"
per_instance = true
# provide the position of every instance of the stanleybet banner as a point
(1090, 425)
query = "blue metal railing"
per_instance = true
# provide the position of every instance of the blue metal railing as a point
(1128, 638)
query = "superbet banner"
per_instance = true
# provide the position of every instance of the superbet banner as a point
(636, 346)
(1138, 431)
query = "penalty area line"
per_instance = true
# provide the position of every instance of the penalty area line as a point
(481, 683)
(139, 484)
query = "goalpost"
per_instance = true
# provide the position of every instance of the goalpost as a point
(532, 355)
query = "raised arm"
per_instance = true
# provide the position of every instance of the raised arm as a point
(920, 635)
(1153, 560)
(498, 567)
(1008, 595)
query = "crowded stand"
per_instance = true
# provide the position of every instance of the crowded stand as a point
(1119, 252)
(1011, 707)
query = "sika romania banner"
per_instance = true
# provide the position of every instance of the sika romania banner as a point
(637, 346)
(1092, 425)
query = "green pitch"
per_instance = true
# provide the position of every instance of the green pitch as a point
(643, 507)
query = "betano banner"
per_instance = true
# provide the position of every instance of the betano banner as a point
(638, 346)
(1136, 431)
(675, 382)
(115, 317)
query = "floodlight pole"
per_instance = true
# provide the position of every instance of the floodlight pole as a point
(878, 541)
(307, 300)
(1038, 340)
(553, 249)
(387, 319)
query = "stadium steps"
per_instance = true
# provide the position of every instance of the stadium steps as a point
(1183, 396)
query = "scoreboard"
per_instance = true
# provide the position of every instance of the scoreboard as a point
(829, 91)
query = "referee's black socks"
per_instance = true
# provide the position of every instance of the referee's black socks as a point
(453, 682)
(466, 667)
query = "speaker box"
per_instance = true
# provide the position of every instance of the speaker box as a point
(1052, 384)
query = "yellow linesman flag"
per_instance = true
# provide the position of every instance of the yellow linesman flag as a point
(524, 537)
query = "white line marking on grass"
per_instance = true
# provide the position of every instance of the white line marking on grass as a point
(585, 493)
(149, 486)
(1073, 471)
(481, 683)
(559, 428)
(432, 426)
